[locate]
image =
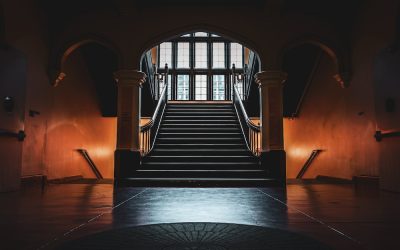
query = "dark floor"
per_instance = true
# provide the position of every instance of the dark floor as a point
(341, 216)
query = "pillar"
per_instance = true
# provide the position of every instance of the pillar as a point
(127, 154)
(273, 156)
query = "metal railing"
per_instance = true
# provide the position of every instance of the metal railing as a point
(91, 163)
(149, 131)
(308, 163)
(379, 135)
(20, 135)
(251, 131)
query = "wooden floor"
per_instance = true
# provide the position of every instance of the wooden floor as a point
(339, 215)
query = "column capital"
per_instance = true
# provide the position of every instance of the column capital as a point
(270, 78)
(128, 77)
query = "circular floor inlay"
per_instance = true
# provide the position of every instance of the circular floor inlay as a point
(194, 236)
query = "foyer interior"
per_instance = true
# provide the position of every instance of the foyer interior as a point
(148, 115)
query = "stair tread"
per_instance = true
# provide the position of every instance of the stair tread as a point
(202, 150)
(197, 133)
(200, 142)
(198, 163)
(201, 170)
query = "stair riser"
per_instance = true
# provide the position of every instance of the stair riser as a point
(199, 112)
(205, 174)
(200, 153)
(200, 106)
(199, 146)
(218, 141)
(199, 121)
(204, 138)
(200, 126)
(200, 130)
(220, 166)
(200, 135)
(200, 117)
(199, 159)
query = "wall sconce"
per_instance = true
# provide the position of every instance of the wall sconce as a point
(8, 104)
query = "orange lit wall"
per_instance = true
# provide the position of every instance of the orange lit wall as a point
(343, 121)
(330, 119)
(76, 123)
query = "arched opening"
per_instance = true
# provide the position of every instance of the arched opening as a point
(199, 69)
(338, 55)
(84, 113)
(198, 128)
(313, 104)
(60, 55)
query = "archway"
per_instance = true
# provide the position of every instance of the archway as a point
(200, 56)
(61, 53)
(83, 114)
(338, 54)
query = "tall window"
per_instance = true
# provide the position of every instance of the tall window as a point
(182, 87)
(183, 55)
(201, 87)
(218, 87)
(218, 55)
(165, 54)
(201, 58)
(198, 64)
(237, 55)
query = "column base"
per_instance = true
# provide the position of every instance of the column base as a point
(126, 162)
(274, 162)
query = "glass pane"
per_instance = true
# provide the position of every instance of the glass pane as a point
(182, 87)
(183, 55)
(236, 55)
(201, 55)
(161, 87)
(213, 35)
(165, 55)
(186, 35)
(200, 34)
(218, 87)
(218, 55)
(201, 87)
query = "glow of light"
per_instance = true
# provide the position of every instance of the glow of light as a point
(298, 152)
(102, 152)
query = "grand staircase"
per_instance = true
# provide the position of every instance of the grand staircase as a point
(200, 143)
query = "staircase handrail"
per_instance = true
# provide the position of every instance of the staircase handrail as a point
(149, 131)
(250, 130)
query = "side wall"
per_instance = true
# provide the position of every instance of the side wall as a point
(76, 123)
(343, 121)
(337, 121)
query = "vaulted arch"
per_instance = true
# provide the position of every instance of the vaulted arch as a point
(176, 32)
(60, 54)
(338, 54)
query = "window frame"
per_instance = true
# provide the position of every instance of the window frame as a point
(192, 71)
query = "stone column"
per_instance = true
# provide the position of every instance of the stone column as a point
(271, 115)
(127, 155)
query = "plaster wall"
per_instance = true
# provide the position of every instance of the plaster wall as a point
(27, 31)
(336, 121)
(343, 121)
(76, 123)
(12, 85)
